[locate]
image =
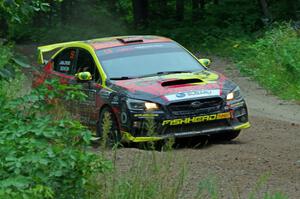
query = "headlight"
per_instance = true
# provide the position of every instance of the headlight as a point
(235, 94)
(139, 105)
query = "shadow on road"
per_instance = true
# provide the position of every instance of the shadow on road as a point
(201, 142)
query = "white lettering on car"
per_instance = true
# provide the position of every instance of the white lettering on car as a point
(65, 63)
(192, 94)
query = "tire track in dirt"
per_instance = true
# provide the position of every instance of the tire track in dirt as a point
(271, 146)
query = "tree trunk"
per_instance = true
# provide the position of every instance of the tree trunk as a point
(38, 19)
(179, 10)
(216, 2)
(202, 4)
(112, 5)
(140, 11)
(163, 7)
(3, 27)
(195, 8)
(264, 8)
(64, 11)
(291, 9)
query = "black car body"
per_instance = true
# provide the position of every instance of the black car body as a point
(143, 80)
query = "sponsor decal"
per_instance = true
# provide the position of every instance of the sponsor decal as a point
(197, 119)
(149, 46)
(193, 94)
(64, 68)
(115, 100)
(105, 94)
(146, 115)
(180, 95)
(65, 63)
(124, 117)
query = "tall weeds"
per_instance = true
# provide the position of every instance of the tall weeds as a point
(274, 61)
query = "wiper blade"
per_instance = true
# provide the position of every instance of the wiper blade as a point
(121, 78)
(166, 73)
(172, 72)
(149, 75)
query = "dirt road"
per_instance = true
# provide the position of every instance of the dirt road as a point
(271, 146)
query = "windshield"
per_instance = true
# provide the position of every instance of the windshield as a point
(146, 60)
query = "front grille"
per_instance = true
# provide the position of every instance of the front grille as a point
(195, 127)
(196, 107)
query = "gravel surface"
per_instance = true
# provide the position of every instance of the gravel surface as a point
(270, 147)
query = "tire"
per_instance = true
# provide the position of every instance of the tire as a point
(227, 136)
(113, 136)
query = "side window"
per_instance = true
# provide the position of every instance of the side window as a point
(85, 62)
(65, 61)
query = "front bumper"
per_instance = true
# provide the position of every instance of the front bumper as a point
(233, 116)
(128, 137)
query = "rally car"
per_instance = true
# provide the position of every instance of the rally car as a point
(137, 79)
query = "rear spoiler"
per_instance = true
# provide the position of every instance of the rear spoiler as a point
(43, 49)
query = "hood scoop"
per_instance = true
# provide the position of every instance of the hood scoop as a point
(181, 82)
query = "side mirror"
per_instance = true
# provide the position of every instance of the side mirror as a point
(205, 62)
(83, 76)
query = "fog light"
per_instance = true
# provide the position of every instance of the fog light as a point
(240, 112)
(243, 119)
(136, 124)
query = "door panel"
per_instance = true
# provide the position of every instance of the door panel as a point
(88, 109)
(64, 67)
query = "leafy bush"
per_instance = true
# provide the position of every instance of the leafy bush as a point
(5, 62)
(42, 157)
(274, 61)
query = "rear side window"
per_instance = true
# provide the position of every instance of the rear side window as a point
(64, 62)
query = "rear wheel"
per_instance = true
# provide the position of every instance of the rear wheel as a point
(107, 128)
(227, 136)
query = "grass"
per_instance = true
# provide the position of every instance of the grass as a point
(273, 60)
(152, 174)
(164, 175)
(147, 174)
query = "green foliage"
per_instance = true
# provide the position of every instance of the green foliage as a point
(42, 157)
(208, 188)
(216, 28)
(14, 14)
(107, 125)
(274, 61)
(20, 11)
(150, 131)
(149, 176)
(83, 21)
(276, 195)
(125, 7)
(6, 65)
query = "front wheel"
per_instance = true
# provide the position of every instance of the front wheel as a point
(107, 128)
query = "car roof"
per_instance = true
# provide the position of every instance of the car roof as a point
(101, 43)
(109, 42)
